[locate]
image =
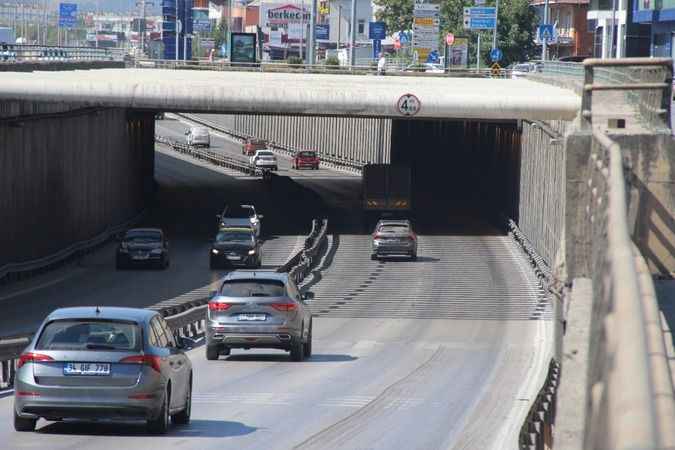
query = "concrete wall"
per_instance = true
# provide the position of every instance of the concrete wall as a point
(53, 66)
(66, 179)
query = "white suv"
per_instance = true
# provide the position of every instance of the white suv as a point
(265, 159)
(198, 136)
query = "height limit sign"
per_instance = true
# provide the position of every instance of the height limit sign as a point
(408, 105)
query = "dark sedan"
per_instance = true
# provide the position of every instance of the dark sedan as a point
(143, 247)
(235, 247)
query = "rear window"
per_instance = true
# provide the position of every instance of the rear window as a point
(253, 288)
(393, 229)
(200, 131)
(237, 212)
(265, 154)
(143, 236)
(90, 335)
(307, 154)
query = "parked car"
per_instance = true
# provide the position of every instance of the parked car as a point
(235, 247)
(252, 145)
(104, 363)
(265, 159)
(394, 238)
(523, 69)
(258, 309)
(143, 246)
(240, 216)
(198, 137)
(306, 158)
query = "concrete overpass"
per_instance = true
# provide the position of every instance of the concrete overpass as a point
(295, 93)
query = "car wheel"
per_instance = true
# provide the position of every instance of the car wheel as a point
(373, 257)
(224, 351)
(307, 347)
(297, 350)
(212, 352)
(183, 417)
(160, 424)
(22, 424)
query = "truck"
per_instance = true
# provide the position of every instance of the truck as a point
(386, 190)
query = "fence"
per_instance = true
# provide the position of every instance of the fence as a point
(22, 52)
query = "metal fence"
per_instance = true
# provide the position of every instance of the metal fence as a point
(23, 52)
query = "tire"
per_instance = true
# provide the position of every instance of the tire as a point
(22, 424)
(307, 346)
(297, 350)
(183, 417)
(160, 424)
(212, 352)
(373, 257)
(225, 351)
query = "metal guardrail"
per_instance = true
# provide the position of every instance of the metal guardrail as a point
(76, 250)
(301, 264)
(24, 52)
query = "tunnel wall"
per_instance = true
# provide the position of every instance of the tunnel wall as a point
(357, 140)
(541, 212)
(68, 178)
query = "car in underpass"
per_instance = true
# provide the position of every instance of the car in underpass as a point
(240, 216)
(258, 309)
(235, 247)
(252, 145)
(198, 137)
(143, 247)
(305, 158)
(104, 363)
(264, 159)
(394, 238)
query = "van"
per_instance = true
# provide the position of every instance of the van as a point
(198, 137)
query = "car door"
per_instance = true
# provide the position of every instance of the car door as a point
(304, 315)
(178, 362)
(169, 366)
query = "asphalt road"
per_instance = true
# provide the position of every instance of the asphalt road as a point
(434, 354)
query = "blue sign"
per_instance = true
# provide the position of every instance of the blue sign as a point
(377, 30)
(479, 23)
(433, 57)
(487, 11)
(67, 15)
(545, 32)
(377, 48)
(496, 55)
(322, 31)
(403, 37)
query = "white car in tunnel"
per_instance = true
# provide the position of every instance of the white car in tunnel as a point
(198, 136)
(265, 159)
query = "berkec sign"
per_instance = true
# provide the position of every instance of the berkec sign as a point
(271, 14)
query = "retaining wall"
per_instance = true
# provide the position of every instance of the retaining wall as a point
(66, 179)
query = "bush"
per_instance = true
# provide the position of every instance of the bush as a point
(294, 60)
(332, 61)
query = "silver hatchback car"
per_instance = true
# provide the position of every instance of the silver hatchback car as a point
(101, 362)
(258, 309)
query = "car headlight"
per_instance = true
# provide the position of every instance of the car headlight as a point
(156, 251)
(251, 252)
(214, 251)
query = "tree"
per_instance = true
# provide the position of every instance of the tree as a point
(516, 26)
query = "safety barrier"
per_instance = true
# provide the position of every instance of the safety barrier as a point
(75, 251)
(24, 52)
(301, 264)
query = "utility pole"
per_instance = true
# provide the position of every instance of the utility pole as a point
(494, 35)
(312, 34)
(614, 48)
(339, 27)
(352, 37)
(179, 27)
(544, 38)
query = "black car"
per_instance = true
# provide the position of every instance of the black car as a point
(143, 246)
(235, 247)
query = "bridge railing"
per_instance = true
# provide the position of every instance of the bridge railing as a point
(630, 392)
(24, 52)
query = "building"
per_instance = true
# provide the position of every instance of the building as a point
(177, 18)
(339, 18)
(616, 34)
(571, 25)
(659, 15)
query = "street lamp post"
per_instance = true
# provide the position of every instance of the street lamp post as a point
(352, 37)
(179, 27)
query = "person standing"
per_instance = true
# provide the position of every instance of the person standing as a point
(381, 64)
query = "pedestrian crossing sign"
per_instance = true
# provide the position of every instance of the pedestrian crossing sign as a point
(545, 33)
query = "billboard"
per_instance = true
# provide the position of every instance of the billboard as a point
(242, 47)
(279, 15)
(67, 15)
(200, 20)
(458, 52)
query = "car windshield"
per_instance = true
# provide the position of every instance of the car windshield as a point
(235, 236)
(307, 154)
(238, 212)
(143, 236)
(253, 288)
(266, 154)
(90, 334)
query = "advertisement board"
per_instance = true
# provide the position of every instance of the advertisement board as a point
(458, 52)
(200, 20)
(322, 31)
(243, 47)
(281, 14)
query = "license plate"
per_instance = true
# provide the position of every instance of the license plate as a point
(233, 257)
(252, 317)
(93, 369)
(140, 256)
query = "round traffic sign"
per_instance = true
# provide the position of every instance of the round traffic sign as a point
(496, 55)
(408, 105)
(449, 38)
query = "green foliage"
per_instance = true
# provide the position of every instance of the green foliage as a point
(516, 26)
(294, 60)
(332, 61)
(219, 34)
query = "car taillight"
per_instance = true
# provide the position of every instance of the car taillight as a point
(148, 360)
(284, 306)
(412, 237)
(377, 236)
(213, 306)
(32, 357)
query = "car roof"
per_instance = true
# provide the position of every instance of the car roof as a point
(105, 312)
(257, 275)
(405, 222)
(245, 229)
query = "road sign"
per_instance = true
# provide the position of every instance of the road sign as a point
(67, 15)
(480, 18)
(403, 37)
(496, 70)
(322, 31)
(479, 2)
(449, 38)
(377, 30)
(496, 55)
(408, 105)
(377, 48)
(545, 32)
